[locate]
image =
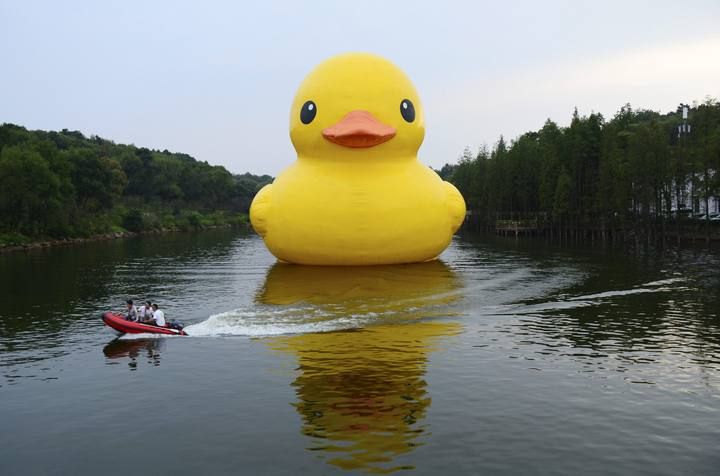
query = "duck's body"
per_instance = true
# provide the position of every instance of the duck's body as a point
(355, 214)
(357, 194)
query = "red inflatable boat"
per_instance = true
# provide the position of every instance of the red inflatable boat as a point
(118, 322)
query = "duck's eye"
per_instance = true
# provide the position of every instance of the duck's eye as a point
(308, 112)
(407, 110)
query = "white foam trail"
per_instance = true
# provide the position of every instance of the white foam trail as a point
(664, 282)
(586, 300)
(272, 323)
(625, 292)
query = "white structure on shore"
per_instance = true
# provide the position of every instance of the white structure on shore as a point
(692, 196)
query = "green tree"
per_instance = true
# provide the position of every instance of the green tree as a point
(99, 181)
(561, 202)
(29, 191)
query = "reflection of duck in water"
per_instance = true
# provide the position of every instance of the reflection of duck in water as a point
(358, 289)
(362, 393)
(131, 349)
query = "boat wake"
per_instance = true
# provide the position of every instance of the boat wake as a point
(565, 301)
(267, 322)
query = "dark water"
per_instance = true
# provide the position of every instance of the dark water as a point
(503, 358)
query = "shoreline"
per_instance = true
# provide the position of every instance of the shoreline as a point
(628, 244)
(36, 245)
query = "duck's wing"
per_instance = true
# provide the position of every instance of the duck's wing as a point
(259, 209)
(456, 206)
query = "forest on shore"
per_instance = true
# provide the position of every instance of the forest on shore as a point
(56, 185)
(599, 177)
(595, 178)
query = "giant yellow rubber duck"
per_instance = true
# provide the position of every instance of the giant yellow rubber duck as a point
(357, 194)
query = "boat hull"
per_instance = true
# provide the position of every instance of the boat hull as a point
(119, 323)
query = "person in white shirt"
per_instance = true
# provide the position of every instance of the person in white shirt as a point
(158, 317)
(145, 312)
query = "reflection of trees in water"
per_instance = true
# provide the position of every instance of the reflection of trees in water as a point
(134, 350)
(362, 393)
(51, 285)
(46, 292)
(636, 311)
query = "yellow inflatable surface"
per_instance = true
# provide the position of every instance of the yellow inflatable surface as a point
(357, 194)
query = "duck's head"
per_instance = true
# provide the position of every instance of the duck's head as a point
(357, 106)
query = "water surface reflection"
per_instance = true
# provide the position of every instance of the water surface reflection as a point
(649, 320)
(133, 350)
(515, 357)
(361, 392)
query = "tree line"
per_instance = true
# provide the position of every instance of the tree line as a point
(629, 171)
(63, 184)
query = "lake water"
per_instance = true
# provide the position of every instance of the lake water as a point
(504, 357)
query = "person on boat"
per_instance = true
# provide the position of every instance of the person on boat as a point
(132, 313)
(145, 312)
(158, 317)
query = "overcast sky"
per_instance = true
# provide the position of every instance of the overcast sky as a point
(216, 79)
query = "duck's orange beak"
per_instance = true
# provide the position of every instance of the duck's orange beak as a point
(359, 129)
